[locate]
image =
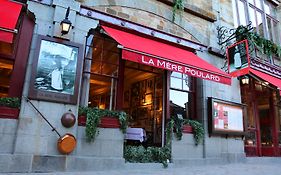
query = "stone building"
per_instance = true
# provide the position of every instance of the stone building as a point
(141, 57)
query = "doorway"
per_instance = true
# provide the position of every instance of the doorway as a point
(261, 137)
(143, 101)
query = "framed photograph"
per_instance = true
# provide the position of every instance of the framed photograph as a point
(226, 117)
(56, 70)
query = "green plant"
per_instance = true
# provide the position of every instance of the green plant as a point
(12, 102)
(256, 41)
(178, 6)
(147, 155)
(198, 130)
(94, 116)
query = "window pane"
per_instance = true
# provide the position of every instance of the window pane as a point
(112, 58)
(242, 13)
(102, 92)
(253, 18)
(235, 16)
(266, 8)
(176, 83)
(251, 1)
(258, 4)
(176, 74)
(260, 24)
(178, 103)
(276, 33)
(110, 69)
(6, 68)
(187, 82)
(269, 28)
(96, 67)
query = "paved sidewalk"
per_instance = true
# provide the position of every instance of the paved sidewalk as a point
(229, 169)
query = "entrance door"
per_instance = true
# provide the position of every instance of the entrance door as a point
(262, 136)
(265, 117)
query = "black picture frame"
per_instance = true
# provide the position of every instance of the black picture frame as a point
(56, 70)
(226, 118)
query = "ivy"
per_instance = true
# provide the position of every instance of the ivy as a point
(151, 154)
(12, 102)
(140, 154)
(178, 6)
(198, 130)
(94, 116)
(256, 41)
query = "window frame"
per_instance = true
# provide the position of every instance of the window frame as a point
(191, 92)
(265, 25)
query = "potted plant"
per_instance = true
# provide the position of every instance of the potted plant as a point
(93, 118)
(9, 107)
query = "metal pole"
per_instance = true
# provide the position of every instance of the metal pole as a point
(53, 128)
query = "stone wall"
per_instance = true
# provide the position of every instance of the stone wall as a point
(8, 129)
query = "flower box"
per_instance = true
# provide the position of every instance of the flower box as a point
(187, 129)
(105, 122)
(82, 120)
(9, 113)
(109, 122)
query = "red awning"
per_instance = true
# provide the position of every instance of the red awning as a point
(266, 77)
(154, 53)
(9, 14)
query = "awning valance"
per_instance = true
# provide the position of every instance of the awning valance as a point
(161, 55)
(266, 77)
(9, 14)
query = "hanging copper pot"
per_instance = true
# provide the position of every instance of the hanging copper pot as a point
(68, 119)
(66, 144)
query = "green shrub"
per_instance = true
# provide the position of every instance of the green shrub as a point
(12, 102)
(139, 154)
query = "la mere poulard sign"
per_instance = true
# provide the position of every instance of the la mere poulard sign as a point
(181, 68)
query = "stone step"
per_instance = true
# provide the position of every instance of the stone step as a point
(262, 160)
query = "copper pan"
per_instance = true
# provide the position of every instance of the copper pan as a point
(66, 144)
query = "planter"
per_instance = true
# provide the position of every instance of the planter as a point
(9, 113)
(187, 129)
(109, 122)
(82, 120)
(105, 122)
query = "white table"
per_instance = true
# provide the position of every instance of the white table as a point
(135, 134)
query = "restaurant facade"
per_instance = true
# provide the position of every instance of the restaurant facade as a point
(140, 58)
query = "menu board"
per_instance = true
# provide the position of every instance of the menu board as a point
(225, 117)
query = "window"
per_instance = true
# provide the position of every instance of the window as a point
(262, 15)
(182, 96)
(102, 55)
(6, 68)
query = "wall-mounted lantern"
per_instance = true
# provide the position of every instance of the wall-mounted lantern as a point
(65, 23)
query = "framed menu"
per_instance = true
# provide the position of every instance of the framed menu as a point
(226, 117)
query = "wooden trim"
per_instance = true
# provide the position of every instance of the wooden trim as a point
(120, 84)
(9, 113)
(21, 57)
